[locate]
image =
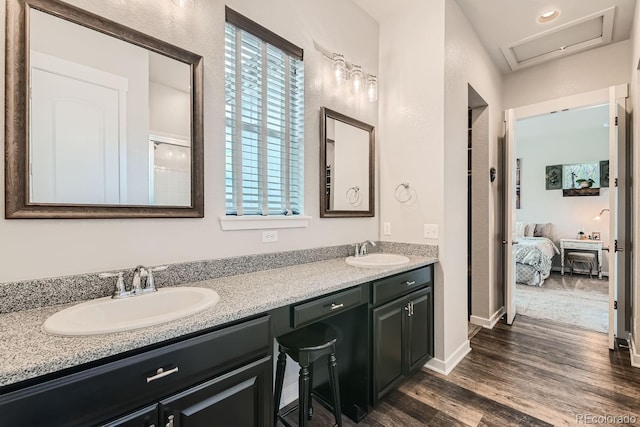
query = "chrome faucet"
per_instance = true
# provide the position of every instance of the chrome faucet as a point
(361, 248)
(137, 286)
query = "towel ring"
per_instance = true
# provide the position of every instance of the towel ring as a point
(405, 194)
(353, 196)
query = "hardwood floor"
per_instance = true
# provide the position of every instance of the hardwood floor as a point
(534, 373)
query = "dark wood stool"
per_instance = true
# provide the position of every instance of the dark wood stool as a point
(305, 346)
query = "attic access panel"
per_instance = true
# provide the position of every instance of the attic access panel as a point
(582, 34)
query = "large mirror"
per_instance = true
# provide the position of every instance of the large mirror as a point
(347, 158)
(102, 121)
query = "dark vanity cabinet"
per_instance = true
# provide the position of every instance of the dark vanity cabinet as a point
(402, 324)
(200, 381)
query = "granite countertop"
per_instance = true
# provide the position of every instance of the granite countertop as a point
(27, 352)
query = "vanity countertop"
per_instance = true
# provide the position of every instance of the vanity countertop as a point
(27, 352)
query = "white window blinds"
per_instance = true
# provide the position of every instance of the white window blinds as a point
(264, 126)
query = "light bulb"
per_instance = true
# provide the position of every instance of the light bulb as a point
(357, 77)
(372, 88)
(339, 68)
(184, 4)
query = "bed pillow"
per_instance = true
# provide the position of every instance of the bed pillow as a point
(542, 230)
(529, 229)
(519, 229)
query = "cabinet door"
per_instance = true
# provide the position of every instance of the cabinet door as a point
(146, 417)
(419, 329)
(241, 398)
(388, 324)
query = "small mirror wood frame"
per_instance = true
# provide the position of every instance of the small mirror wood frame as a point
(325, 211)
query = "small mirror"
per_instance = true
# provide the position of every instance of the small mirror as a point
(347, 156)
(102, 121)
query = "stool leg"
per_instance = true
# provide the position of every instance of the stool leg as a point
(310, 412)
(303, 395)
(280, 368)
(335, 388)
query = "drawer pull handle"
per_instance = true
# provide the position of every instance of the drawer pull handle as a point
(161, 373)
(409, 283)
(336, 306)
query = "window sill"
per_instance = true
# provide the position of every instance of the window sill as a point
(231, 223)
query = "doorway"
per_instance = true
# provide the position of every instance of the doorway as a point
(614, 98)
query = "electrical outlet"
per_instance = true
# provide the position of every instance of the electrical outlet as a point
(386, 229)
(431, 231)
(269, 236)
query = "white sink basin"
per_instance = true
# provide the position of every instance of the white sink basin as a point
(377, 260)
(106, 315)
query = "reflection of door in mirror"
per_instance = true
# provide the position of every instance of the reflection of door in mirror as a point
(347, 155)
(96, 101)
(75, 133)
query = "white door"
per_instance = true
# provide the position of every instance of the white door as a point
(509, 217)
(617, 220)
(74, 145)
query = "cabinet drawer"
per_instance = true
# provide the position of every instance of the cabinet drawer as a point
(401, 284)
(322, 307)
(124, 385)
(586, 245)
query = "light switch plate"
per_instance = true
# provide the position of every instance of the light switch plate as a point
(269, 236)
(431, 231)
(386, 229)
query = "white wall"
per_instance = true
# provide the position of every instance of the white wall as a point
(467, 63)
(634, 107)
(44, 248)
(423, 141)
(411, 133)
(542, 141)
(169, 111)
(582, 72)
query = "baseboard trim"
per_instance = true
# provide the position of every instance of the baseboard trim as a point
(633, 353)
(445, 366)
(488, 323)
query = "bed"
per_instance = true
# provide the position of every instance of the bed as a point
(533, 259)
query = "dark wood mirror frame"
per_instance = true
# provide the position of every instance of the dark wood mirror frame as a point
(325, 212)
(17, 119)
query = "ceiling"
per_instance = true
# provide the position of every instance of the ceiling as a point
(574, 121)
(511, 34)
(510, 26)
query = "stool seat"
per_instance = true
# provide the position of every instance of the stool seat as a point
(582, 257)
(579, 256)
(311, 343)
(305, 346)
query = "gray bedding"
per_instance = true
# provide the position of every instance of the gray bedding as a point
(533, 259)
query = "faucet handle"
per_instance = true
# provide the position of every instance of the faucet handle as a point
(357, 247)
(120, 290)
(151, 284)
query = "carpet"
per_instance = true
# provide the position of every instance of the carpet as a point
(588, 310)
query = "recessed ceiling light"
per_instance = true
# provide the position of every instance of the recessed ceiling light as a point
(548, 15)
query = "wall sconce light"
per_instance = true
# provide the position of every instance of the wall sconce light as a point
(372, 88)
(339, 68)
(343, 71)
(599, 216)
(184, 4)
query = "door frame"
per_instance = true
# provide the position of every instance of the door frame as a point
(582, 100)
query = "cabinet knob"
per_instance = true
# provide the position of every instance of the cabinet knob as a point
(170, 421)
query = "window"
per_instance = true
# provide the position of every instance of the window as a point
(264, 114)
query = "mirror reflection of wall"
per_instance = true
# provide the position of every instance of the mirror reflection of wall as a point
(347, 159)
(96, 101)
